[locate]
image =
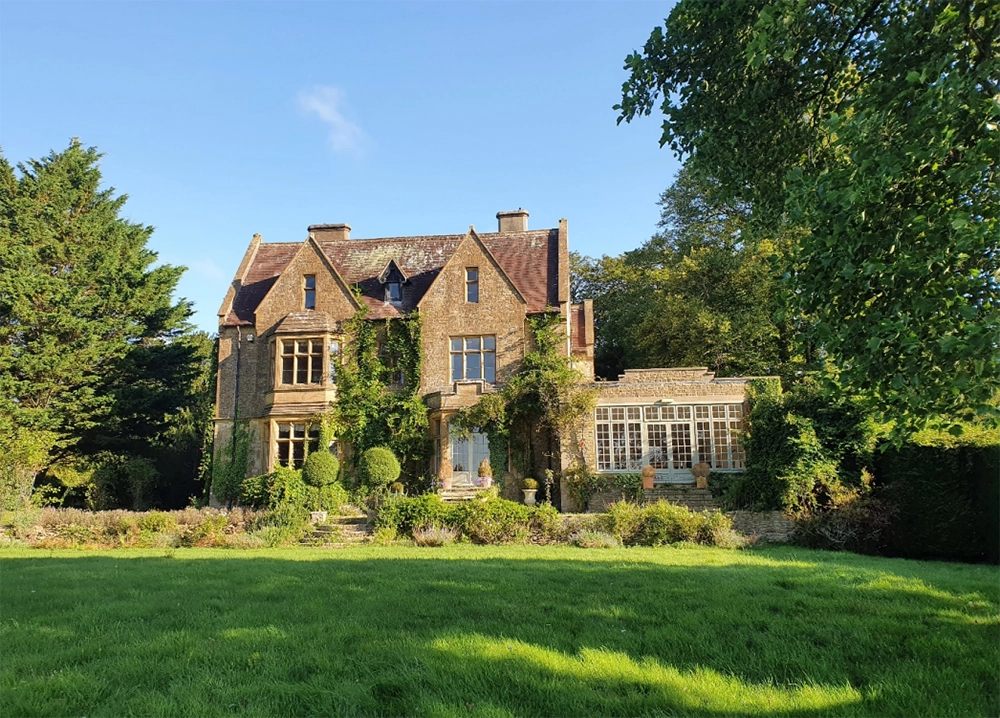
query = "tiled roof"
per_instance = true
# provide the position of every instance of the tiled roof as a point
(307, 321)
(530, 259)
(269, 262)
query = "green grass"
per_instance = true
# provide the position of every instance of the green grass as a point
(499, 631)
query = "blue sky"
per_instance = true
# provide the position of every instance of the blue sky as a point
(224, 119)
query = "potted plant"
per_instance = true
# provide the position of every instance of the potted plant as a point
(485, 474)
(320, 471)
(528, 488)
(701, 472)
(397, 488)
(648, 477)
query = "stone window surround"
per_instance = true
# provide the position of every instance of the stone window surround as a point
(309, 291)
(330, 354)
(482, 353)
(472, 285)
(734, 449)
(298, 433)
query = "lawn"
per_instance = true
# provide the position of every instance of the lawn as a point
(471, 630)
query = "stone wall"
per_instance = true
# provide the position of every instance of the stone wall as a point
(445, 313)
(771, 526)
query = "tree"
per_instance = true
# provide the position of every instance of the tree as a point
(873, 125)
(702, 292)
(85, 319)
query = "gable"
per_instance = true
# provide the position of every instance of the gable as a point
(530, 260)
(286, 294)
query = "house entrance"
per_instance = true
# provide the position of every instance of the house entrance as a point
(466, 455)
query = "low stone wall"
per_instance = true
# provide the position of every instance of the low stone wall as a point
(771, 526)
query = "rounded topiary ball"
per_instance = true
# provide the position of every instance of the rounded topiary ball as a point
(321, 469)
(378, 467)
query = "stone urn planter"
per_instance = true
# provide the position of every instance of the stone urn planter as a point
(317, 517)
(648, 477)
(701, 472)
(529, 487)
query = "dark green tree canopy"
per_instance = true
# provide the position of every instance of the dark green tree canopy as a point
(702, 292)
(872, 125)
(95, 354)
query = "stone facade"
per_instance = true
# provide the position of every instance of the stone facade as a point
(280, 336)
(285, 294)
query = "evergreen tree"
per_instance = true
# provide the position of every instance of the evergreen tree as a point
(84, 317)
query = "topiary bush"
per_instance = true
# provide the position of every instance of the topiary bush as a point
(378, 468)
(319, 472)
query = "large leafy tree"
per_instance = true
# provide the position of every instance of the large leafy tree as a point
(87, 323)
(701, 292)
(873, 125)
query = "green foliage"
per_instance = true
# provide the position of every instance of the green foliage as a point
(805, 453)
(702, 292)
(946, 501)
(371, 410)
(378, 467)
(544, 393)
(594, 539)
(529, 484)
(662, 523)
(494, 520)
(320, 471)
(95, 356)
(402, 514)
(878, 122)
(286, 487)
(582, 484)
(231, 464)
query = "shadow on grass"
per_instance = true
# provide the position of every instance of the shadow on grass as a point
(624, 633)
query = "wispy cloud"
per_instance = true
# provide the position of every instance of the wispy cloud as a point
(328, 103)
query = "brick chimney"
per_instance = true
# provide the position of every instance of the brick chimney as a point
(513, 221)
(330, 232)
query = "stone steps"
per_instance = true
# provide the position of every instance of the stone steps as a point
(338, 532)
(683, 495)
(459, 494)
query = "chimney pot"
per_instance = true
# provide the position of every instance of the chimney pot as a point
(513, 221)
(328, 232)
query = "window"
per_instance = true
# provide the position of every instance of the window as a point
(302, 361)
(292, 439)
(669, 437)
(467, 452)
(474, 358)
(309, 286)
(393, 292)
(390, 360)
(472, 285)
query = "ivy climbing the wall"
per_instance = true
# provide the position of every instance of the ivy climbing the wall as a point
(377, 387)
(546, 394)
(231, 464)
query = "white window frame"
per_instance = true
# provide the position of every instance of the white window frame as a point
(671, 437)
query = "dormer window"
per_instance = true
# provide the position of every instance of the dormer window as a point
(309, 287)
(392, 279)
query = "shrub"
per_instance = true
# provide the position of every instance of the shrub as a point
(594, 539)
(434, 536)
(157, 521)
(378, 467)
(529, 484)
(405, 513)
(862, 524)
(495, 520)
(665, 523)
(320, 471)
(546, 524)
(623, 520)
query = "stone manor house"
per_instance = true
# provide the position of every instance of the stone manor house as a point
(280, 337)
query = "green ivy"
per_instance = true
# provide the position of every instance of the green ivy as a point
(369, 411)
(545, 393)
(231, 464)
